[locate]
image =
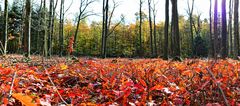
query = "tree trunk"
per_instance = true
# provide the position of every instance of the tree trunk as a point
(106, 29)
(27, 29)
(190, 10)
(155, 35)
(236, 28)
(76, 32)
(45, 50)
(150, 27)
(224, 30)
(50, 27)
(5, 26)
(140, 30)
(175, 30)
(216, 29)
(230, 29)
(103, 29)
(61, 36)
(166, 29)
(212, 48)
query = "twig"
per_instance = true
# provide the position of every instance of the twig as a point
(54, 86)
(13, 79)
(221, 91)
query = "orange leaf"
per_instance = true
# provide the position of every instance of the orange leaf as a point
(188, 73)
(24, 99)
(143, 83)
(157, 87)
(5, 101)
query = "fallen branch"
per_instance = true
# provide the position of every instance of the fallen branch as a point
(13, 79)
(218, 84)
(54, 87)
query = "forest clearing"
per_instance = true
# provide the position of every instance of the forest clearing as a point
(119, 53)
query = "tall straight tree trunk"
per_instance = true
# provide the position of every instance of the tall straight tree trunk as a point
(175, 30)
(5, 26)
(50, 27)
(236, 28)
(27, 29)
(155, 35)
(230, 29)
(212, 48)
(150, 27)
(106, 28)
(190, 10)
(45, 50)
(224, 30)
(216, 29)
(103, 28)
(140, 30)
(166, 29)
(61, 40)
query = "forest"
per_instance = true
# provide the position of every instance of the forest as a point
(90, 58)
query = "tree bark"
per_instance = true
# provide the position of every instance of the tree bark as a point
(230, 29)
(5, 26)
(236, 28)
(212, 48)
(50, 27)
(61, 36)
(155, 35)
(166, 29)
(150, 27)
(190, 10)
(216, 29)
(224, 30)
(27, 29)
(140, 30)
(103, 28)
(45, 50)
(106, 29)
(175, 30)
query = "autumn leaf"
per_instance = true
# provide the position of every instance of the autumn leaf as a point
(63, 66)
(143, 83)
(5, 101)
(24, 99)
(157, 87)
(187, 73)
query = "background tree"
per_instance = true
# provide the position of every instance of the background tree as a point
(230, 28)
(140, 28)
(175, 30)
(107, 25)
(61, 27)
(45, 50)
(216, 46)
(83, 13)
(50, 27)
(150, 27)
(212, 47)
(27, 29)
(166, 29)
(6, 26)
(236, 28)
(190, 13)
(155, 28)
(224, 49)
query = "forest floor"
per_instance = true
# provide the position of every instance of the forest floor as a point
(118, 81)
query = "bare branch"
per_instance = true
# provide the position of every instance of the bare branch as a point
(68, 7)
(13, 79)
(54, 86)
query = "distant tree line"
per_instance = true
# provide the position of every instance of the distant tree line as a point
(34, 28)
